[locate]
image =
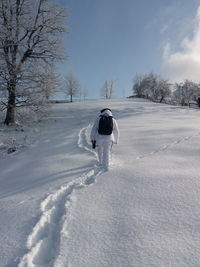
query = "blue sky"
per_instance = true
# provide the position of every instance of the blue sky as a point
(117, 39)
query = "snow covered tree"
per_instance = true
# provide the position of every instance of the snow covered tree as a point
(30, 34)
(145, 86)
(138, 89)
(186, 91)
(38, 82)
(151, 86)
(71, 86)
(164, 89)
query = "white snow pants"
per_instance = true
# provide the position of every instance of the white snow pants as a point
(104, 151)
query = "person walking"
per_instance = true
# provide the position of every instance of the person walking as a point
(104, 133)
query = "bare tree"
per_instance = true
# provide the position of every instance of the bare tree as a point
(105, 90)
(30, 34)
(85, 93)
(71, 86)
(111, 88)
(108, 89)
(49, 83)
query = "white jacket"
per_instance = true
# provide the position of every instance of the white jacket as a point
(114, 137)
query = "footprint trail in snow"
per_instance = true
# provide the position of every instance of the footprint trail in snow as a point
(168, 146)
(44, 241)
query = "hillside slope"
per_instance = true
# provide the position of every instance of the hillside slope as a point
(59, 209)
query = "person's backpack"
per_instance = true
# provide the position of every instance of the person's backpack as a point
(105, 125)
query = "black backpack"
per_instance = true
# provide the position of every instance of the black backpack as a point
(105, 125)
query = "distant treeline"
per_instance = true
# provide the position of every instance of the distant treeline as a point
(156, 89)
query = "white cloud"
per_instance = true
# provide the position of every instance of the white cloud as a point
(185, 63)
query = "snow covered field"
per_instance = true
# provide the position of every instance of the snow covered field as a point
(57, 208)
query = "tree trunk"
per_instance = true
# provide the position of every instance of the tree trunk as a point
(71, 99)
(10, 114)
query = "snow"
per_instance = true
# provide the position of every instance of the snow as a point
(58, 208)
